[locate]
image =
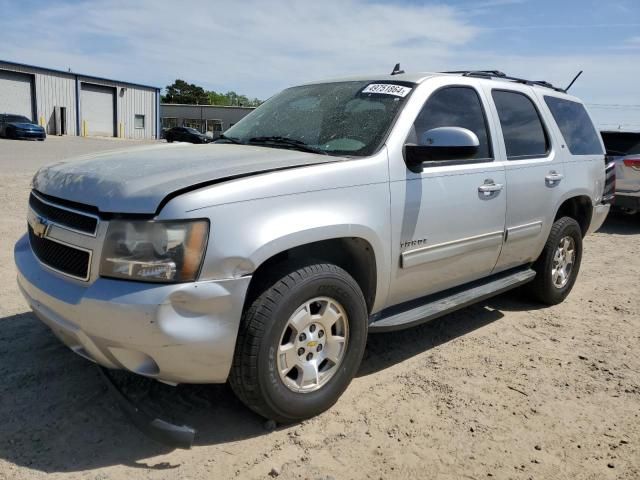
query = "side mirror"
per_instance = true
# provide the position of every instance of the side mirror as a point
(441, 144)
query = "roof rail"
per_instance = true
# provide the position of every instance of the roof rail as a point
(490, 74)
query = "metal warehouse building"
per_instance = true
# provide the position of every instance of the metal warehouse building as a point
(67, 103)
(205, 118)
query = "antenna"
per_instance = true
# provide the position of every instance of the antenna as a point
(573, 81)
(396, 70)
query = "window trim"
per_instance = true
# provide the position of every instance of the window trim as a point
(135, 117)
(470, 161)
(545, 129)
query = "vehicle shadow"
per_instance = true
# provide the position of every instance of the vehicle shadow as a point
(57, 415)
(387, 349)
(620, 224)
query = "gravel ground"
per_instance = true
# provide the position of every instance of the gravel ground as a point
(504, 389)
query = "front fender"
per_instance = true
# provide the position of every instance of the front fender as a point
(246, 234)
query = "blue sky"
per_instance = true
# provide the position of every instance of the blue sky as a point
(257, 47)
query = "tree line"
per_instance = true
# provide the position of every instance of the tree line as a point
(191, 94)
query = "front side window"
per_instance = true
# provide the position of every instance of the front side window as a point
(575, 125)
(524, 135)
(453, 107)
(340, 118)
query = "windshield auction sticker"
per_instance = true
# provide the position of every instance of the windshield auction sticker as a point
(387, 89)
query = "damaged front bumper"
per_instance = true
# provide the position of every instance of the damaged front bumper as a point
(176, 333)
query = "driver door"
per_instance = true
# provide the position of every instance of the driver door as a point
(448, 227)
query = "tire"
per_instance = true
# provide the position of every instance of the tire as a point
(256, 377)
(546, 288)
(169, 139)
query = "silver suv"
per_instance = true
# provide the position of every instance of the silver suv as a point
(334, 210)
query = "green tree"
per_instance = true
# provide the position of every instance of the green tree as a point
(188, 93)
(183, 92)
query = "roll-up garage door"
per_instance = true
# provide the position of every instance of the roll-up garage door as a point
(16, 93)
(98, 110)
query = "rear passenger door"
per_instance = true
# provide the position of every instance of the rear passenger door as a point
(534, 173)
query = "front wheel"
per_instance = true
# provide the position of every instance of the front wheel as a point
(558, 265)
(300, 343)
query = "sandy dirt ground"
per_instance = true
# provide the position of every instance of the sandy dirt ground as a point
(504, 389)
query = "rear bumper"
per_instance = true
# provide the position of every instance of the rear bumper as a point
(180, 333)
(598, 217)
(627, 201)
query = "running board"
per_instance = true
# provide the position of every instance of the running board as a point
(428, 308)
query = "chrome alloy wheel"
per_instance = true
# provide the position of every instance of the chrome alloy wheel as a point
(313, 345)
(563, 261)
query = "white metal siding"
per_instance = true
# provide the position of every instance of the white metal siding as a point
(97, 110)
(56, 90)
(15, 93)
(133, 100)
(137, 101)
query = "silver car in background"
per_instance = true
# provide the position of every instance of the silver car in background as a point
(624, 149)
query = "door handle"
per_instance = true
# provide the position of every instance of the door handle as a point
(490, 187)
(553, 177)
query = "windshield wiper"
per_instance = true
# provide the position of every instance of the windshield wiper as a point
(287, 142)
(229, 139)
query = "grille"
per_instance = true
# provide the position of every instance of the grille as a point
(64, 217)
(60, 257)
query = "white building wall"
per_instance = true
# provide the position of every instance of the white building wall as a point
(55, 90)
(59, 89)
(137, 101)
(51, 90)
(131, 101)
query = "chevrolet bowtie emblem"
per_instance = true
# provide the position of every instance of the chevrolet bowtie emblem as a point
(39, 225)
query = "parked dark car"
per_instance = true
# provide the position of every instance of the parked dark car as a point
(18, 126)
(186, 134)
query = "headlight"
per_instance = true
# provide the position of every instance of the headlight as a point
(154, 251)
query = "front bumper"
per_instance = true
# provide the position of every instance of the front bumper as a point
(598, 217)
(27, 134)
(179, 333)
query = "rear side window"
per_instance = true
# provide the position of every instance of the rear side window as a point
(454, 107)
(524, 135)
(577, 129)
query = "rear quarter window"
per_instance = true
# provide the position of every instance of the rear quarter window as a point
(575, 125)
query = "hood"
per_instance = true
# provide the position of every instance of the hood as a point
(26, 126)
(138, 180)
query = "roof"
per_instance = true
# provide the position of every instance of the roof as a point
(420, 77)
(91, 77)
(417, 77)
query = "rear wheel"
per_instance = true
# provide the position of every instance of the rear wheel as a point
(558, 265)
(300, 343)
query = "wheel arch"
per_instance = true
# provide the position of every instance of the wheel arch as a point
(354, 254)
(579, 207)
